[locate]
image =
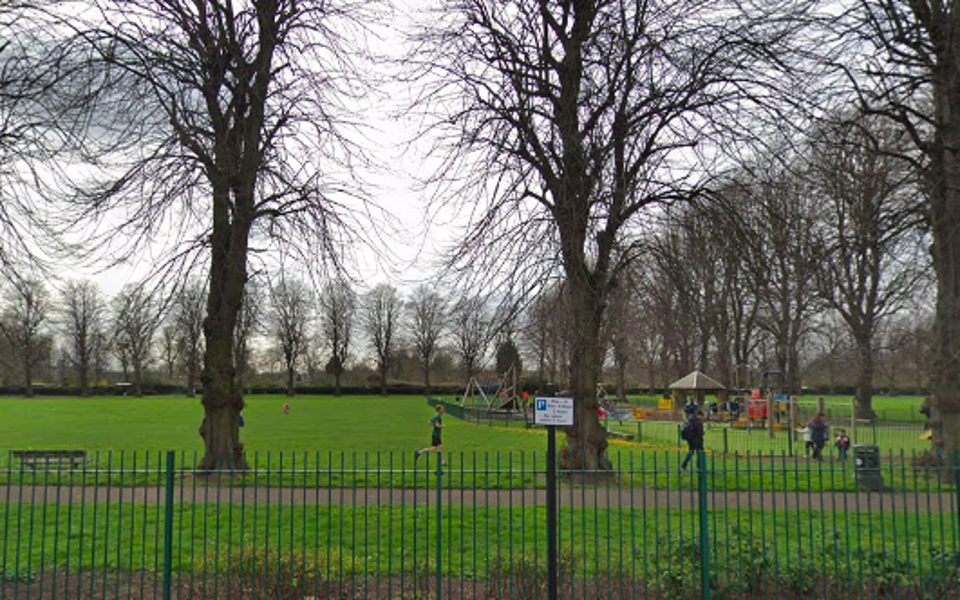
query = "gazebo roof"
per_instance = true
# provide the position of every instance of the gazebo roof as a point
(697, 381)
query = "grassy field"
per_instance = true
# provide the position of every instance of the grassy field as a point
(349, 424)
(352, 439)
(653, 545)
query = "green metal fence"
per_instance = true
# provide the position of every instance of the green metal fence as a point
(324, 525)
(723, 437)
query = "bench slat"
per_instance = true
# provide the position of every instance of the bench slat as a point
(34, 458)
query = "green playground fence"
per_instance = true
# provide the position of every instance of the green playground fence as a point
(889, 431)
(324, 525)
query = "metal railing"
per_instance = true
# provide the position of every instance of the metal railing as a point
(323, 525)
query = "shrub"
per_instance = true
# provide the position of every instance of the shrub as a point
(281, 573)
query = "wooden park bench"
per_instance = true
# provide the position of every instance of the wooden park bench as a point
(620, 435)
(51, 458)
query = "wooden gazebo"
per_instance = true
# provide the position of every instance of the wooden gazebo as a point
(698, 385)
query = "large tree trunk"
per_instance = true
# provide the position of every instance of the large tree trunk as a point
(944, 191)
(866, 364)
(290, 375)
(586, 438)
(945, 387)
(222, 396)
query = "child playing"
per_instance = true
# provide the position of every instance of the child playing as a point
(842, 444)
(436, 444)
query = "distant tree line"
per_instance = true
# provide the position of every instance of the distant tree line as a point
(297, 339)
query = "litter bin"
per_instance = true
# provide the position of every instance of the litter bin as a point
(866, 465)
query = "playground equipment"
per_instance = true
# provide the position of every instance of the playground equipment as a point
(768, 406)
(479, 392)
(495, 392)
(772, 383)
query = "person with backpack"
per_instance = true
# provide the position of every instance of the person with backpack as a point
(692, 434)
(819, 435)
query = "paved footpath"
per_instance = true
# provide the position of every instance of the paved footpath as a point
(906, 501)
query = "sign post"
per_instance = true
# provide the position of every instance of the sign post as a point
(552, 412)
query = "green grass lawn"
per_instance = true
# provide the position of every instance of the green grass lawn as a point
(352, 440)
(349, 424)
(485, 542)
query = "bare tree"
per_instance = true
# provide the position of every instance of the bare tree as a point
(169, 350)
(136, 320)
(872, 235)
(212, 125)
(566, 117)
(427, 316)
(739, 278)
(784, 250)
(84, 318)
(32, 137)
(289, 319)
(24, 318)
(471, 332)
(908, 345)
(831, 349)
(189, 310)
(103, 346)
(380, 317)
(906, 68)
(622, 330)
(686, 259)
(546, 319)
(337, 308)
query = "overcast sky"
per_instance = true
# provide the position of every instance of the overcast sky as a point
(413, 255)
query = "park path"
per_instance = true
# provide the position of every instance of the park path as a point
(903, 501)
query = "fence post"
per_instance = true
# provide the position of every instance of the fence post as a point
(439, 525)
(704, 526)
(552, 576)
(726, 447)
(168, 526)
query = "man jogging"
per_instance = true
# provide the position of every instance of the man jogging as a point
(436, 444)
